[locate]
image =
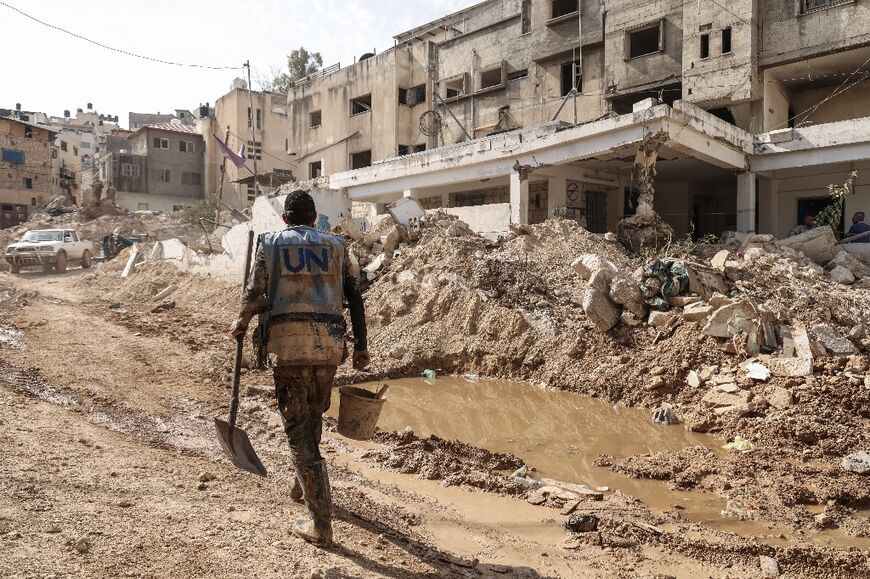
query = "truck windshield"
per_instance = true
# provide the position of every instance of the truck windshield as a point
(33, 236)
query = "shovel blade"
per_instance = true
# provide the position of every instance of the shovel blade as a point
(237, 447)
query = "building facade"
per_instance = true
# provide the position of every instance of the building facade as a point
(264, 133)
(157, 168)
(760, 74)
(26, 169)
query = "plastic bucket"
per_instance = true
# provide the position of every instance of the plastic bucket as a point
(358, 412)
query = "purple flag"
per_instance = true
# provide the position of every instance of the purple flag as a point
(238, 159)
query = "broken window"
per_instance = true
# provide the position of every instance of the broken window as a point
(360, 105)
(726, 40)
(361, 160)
(572, 77)
(158, 144)
(564, 7)
(28, 132)
(813, 5)
(315, 169)
(315, 119)
(418, 148)
(252, 193)
(28, 183)
(403, 96)
(412, 96)
(526, 17)
(454, 87)
(191, 178)
(403, 150)
(646, 40)
(63, 145)
(491, 78)
(518, 74)
(705, 46)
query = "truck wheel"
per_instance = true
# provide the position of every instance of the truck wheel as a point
(13, 268)
(60, 264)
(86, 260)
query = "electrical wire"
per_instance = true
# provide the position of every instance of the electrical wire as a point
(113, 49)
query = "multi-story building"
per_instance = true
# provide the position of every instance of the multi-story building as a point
(530, 108)
(160, 169)
(25, 169)
(139, 120)
(264, 133)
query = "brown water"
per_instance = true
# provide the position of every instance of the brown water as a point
(560, 434)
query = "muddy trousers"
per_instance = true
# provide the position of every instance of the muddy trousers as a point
(303, 395)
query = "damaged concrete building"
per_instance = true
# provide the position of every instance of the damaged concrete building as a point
(513, 111)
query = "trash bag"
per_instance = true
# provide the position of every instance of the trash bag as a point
(662, 279)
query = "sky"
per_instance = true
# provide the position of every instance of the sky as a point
(49, 71)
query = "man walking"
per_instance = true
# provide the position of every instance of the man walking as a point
(298, 287)
(858, 227)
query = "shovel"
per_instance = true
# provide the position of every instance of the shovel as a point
(235, 441)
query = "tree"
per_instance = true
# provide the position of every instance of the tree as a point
(300, 63)
(833, 214)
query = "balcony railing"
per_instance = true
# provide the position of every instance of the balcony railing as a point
(814, 5)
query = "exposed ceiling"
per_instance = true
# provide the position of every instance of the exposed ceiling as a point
(824, 71)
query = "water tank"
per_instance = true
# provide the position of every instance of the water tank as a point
(17, 106)
(203, 111)
(66, 114)
(90, 106)
(79, 110)
(101, 117)
(366, 56)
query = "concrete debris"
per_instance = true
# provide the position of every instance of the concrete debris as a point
(848, 261)
(834, 342)
(166, 292)
(858, 463)
(842, 275)
(693, 379)
(666, 415)
(581, 523)
(697, 312)
(718, 324)
(625, 292)
(769, 566)
(131, 263)
(757, 371)
(779, 397)
(350, 229)
(817, 244)
(661, 319)
(405, 211)
(596, 302)
(588, 264)
(718, 261)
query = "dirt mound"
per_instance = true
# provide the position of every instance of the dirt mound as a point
(455, 463)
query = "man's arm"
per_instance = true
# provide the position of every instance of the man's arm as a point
(255, 293)
(357, 320)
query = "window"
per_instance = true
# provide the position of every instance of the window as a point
(63, 145)
(12, 156)
(454, 87)
(403, 96)
(142, 207)
(360, 105)
(361, 159)
(315, 119)
(491, 78)
(418, 148)
(254, 150)
(813, 5)
(85, 145)
(572, 77)
(259, 118)
(252, 193)
(526, 17)
(518, 74)
(129, 170)
(412, 96)
(191, 179)
(163, 175)
(75, 151)
(187, 146)
(645, 40)
(161, 143)
(28, 132)
(726, 40)
(54, 153)
(33, 201)
(315, 169)
(403, 150)
(27, 183)
(705, 46)
(564, 7)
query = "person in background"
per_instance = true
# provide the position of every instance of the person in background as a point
(858, 227)
(809, 223)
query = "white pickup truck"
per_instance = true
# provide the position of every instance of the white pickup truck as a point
(49, 249)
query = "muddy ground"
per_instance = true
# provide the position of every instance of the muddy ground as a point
(112, 467)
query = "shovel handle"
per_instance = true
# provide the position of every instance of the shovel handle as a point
(240, 341)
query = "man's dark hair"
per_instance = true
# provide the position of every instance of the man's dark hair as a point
(299, 208)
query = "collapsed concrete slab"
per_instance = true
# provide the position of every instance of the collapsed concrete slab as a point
(817, 244)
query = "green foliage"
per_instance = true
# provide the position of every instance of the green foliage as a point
(680, 248)
(300, 63)
(206, 209)
(833, 214)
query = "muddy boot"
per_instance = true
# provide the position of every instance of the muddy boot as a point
(296, 491)
(315, 489)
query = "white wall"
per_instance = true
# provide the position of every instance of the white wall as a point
(493, 218)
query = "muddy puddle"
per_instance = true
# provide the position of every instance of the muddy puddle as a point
(561, 434)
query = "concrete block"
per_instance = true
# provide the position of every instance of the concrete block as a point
(834, 342)
(661, 319)
(817, 244)
(855, 266)
(589, 263)
(720, 323)
(597, 305)
(718, 261)
(697, 312)
(842, 276)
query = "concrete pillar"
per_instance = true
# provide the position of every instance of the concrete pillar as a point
(445, 200)
(768, 207)
(556, 187)
(519, 199)
(746, 202)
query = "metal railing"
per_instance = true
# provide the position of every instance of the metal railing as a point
(813, 5)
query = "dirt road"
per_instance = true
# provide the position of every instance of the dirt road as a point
(111, 468)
